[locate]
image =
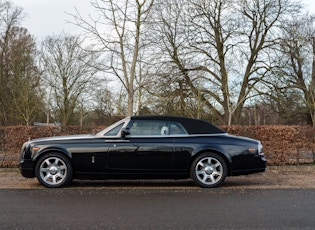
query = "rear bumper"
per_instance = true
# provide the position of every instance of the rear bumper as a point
(258, 164)
(27, 168)
(248, 171)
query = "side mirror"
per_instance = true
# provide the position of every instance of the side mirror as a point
(125, 132)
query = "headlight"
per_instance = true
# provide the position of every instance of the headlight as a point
(28, 151)
(25, 151)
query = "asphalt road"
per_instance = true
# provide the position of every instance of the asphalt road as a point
(157, 208)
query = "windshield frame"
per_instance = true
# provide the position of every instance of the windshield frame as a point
(109, 128)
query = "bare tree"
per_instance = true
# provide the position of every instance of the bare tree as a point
(220, 47)
(69, 71)
(297, 66)
(117, 29)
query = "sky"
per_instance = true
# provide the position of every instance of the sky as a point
(49, 17)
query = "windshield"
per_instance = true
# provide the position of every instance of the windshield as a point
(114, 129)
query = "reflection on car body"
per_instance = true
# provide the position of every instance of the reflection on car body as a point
(144, 147)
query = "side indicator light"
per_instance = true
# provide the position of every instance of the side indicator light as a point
(252, 150)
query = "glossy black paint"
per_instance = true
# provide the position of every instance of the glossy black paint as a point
(103, 156)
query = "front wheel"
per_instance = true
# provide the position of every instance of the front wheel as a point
(53, 170)
(208, 170)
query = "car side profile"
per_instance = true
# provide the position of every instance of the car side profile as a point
(144, 147)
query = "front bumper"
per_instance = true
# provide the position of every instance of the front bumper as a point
(27, 168)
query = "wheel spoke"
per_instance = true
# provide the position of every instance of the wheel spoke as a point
(212, 179)
(61, 175)
(62, 167)
(54, 179)
(200, 164)
(205, 179)
(47, 162)
(46, 178)
(209, 159)
(46, 170)
(57, 162)
(218, 172)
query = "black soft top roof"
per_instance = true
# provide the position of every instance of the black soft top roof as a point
(192, 126)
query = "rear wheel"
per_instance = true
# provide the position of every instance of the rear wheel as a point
(208, 170)
(53, 170)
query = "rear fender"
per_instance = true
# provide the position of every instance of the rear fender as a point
(215, 149)
(227, 157)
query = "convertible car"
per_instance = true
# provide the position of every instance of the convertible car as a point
(144, 147)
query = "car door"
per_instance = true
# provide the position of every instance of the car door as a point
(93, 157)
(183, 147)
(148, 148)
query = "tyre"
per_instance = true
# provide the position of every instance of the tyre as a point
(208, 170)
(53, 170)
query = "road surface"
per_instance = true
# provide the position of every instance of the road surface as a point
(132, 207)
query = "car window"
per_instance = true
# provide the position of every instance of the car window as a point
(155, 128)
(149, 128)
(177, 129)
(114, 131)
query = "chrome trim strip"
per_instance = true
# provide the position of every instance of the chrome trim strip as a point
(172, 136)
(115, 140)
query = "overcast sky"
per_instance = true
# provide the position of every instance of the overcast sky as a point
(48, 17)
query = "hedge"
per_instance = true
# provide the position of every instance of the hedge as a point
(282, 144)
(13, 137)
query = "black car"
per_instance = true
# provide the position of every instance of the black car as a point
(144, 147)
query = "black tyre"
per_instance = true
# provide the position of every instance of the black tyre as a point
(54, 170)
(208, 170)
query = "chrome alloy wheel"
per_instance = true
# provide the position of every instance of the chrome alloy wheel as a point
(209, 170)
(53, 171)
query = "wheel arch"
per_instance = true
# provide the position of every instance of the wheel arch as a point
(227, 159)
(62, 151)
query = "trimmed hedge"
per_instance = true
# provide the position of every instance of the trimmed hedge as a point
(13, 137)
(282, 144)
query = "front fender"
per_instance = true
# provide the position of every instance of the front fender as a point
(49, 149)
